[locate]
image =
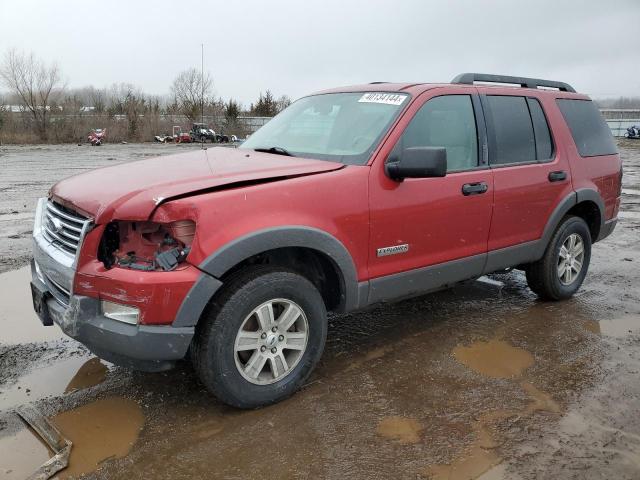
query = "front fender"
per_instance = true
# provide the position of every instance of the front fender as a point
(238, 250)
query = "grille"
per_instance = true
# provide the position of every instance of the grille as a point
(63, 227)
(58, 292)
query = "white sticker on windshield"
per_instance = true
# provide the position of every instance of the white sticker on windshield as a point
(386, 98)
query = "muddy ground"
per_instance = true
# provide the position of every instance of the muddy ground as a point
(482, 381)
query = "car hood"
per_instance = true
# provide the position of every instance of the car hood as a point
(132, 191)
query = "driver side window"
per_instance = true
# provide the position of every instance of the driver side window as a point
(447, 121)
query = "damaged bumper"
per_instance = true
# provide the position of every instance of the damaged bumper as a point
(142, 347)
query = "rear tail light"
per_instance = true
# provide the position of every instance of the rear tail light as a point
(620, 182)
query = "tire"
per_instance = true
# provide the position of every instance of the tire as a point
(544, 276)
(227, 372)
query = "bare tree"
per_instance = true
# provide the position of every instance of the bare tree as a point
(190, 90)
(128, 100)
(2, 110)
(97, 99)
(283, 102)
(37, 85)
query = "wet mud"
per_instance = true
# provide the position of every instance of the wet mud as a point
(481, 381)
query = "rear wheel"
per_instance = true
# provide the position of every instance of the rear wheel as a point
(262, 337)
(561, 271)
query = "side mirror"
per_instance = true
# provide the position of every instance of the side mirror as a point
(418, 162)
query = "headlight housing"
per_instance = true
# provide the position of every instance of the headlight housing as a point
(148, 246)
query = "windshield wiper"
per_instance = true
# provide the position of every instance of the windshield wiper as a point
(276, 150)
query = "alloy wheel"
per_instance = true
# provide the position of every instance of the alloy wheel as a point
(570, 259)
(271, 341)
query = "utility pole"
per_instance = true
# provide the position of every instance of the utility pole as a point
(202, 87)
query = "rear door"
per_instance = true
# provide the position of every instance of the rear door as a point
(531, 174)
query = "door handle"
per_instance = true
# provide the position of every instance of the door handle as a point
(557, 176)
(474, 188)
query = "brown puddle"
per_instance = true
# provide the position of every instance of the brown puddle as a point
(497, 359)
(401, 429)
(475, 463)
(100, 431)
(19, 322)
(92, 373)
(481, 457)
(21, 454)
(494, 358)
(61, 376)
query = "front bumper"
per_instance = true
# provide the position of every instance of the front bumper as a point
(142, 347)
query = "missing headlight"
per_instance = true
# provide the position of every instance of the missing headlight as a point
(146, 246)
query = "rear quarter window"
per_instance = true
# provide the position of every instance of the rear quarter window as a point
(590, 132)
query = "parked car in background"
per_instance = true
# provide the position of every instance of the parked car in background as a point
(97, 136)
(200, 132)
(350, 197)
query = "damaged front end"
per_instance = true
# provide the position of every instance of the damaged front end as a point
(146, 246)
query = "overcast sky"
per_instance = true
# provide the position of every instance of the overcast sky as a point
(294, 47)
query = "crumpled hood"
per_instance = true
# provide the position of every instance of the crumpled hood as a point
(131, 191)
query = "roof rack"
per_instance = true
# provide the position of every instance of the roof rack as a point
(470, 78)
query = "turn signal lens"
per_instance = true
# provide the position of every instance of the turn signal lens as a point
(121, 313)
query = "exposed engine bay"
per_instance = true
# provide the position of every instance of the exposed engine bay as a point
(146, 246)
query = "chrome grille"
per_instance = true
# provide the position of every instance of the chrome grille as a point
(58, 292)
(63, 227)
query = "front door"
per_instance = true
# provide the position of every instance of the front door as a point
(440, 222)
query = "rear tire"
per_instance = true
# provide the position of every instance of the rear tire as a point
(562, 269)
(261, 338)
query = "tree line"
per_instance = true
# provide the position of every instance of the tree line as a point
(49, 111)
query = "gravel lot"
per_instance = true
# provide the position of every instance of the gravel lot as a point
(481, 381)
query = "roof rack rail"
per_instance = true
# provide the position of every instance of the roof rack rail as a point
(470, 78)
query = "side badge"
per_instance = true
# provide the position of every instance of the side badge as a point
(385, 251)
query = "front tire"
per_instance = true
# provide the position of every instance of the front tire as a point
(261, 338)
(562, 269)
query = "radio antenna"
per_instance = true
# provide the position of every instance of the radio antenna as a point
(202, 87)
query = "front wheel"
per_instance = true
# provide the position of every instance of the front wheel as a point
(561, 271)
(262, 337)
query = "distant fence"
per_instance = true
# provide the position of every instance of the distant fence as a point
(619, 119)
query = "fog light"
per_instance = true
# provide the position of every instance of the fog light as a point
(121, 313)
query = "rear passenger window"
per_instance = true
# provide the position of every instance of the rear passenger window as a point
(447, 121)
(544, 147)
(590, 132)
(511, 139)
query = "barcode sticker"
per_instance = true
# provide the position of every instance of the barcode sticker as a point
(386, 98)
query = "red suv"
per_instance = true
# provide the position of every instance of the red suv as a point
(349, 197)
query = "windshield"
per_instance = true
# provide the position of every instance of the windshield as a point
(341, 127)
